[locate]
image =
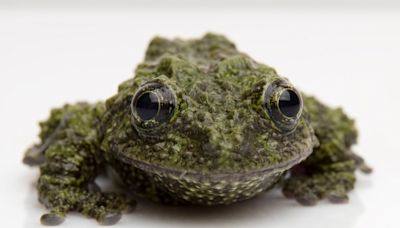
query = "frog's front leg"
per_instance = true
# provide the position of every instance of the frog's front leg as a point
(70, 162)
(330, 171)
(64, 185)
(308, 185)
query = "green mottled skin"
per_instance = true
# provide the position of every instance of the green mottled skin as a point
(219, 147)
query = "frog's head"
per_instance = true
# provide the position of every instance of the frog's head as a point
(202, 106)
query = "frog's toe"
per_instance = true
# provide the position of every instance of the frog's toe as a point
(113, 213)
(110, 218)
(365, 168)
(338, 196)
(307, 200)
(34, 156)
(52, 219)
(338, 199)
(295, 189)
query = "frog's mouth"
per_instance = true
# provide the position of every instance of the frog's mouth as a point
(276, 169)
(280, 153)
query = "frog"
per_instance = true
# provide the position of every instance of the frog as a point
(199, 123)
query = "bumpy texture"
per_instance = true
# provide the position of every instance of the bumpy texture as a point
(219, 124)
(71, 160)
(223, 137)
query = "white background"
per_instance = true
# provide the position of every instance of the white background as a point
(345, 52)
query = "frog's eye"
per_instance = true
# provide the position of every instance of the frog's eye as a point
(152, 105)
(283, 104)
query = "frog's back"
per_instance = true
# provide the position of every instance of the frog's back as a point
(203, 52)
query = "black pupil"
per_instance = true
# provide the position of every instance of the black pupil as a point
(289, 103)
(147, 106)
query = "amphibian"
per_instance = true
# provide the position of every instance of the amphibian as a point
(199, 123)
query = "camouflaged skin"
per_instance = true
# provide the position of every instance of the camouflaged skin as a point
(225, 192)
(219, 147)
(219, 127)
(219, 124)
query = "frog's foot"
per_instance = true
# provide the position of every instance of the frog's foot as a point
(331, 182)
(34, 156)
(361, 164)
(106, 208)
